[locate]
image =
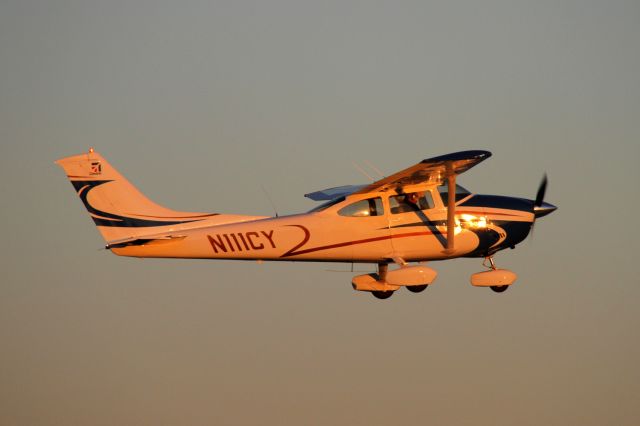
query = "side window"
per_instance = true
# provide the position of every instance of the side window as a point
(363, 208)
(414, 201)
(426, 201)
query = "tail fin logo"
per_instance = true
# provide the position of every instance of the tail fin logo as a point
(96, 168)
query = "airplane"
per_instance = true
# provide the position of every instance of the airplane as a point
(411, 217)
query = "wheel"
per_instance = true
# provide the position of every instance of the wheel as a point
(417, 288)
(382, 294)
(499, 288)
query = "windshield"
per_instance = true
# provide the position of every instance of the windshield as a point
(461, 193)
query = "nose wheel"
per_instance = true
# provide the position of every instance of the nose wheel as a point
(417, 288)
(496, 279)
(492, 266)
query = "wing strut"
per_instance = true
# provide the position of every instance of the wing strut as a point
(451, 206)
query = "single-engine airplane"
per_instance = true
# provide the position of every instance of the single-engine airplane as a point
(416, 215)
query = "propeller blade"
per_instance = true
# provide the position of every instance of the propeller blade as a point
(540, 208)
(533, 226)
(541, 190)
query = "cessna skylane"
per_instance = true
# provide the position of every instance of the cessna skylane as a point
(404, 220)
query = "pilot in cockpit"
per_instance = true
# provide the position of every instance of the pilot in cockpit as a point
(411, 199)
(409, 202)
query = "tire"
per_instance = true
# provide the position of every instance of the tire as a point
(382, 294)
(417, 288)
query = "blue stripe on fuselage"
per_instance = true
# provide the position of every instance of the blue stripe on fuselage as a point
(499, 202)
(516, 231)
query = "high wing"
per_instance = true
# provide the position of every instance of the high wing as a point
(435, 170)
(429, 170)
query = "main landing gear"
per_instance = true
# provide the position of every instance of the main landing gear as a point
(387, 294)
(498, 280)
(383, 269)
(383, 284)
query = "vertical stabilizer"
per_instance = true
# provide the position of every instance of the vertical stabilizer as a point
(118, 209)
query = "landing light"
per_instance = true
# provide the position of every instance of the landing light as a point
(470, 221)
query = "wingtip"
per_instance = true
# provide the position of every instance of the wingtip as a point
(475, 154)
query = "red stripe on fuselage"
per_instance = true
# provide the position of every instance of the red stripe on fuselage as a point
(356, 242)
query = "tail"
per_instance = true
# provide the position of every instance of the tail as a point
(118, 209)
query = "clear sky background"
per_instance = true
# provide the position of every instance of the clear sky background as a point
(200, 103)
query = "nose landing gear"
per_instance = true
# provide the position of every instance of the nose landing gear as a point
(498, 280)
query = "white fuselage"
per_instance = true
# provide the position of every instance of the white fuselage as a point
(330, 235)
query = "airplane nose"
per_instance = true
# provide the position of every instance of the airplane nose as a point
(544, 209)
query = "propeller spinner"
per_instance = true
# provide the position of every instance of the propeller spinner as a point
(540, 208)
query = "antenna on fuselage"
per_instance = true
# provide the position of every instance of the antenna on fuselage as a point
(361, 170)
(375, 169)
(273, 206)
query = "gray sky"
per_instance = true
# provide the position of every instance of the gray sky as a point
(199, 103)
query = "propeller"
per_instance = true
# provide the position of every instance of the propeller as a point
(541, 190)
(540, 208)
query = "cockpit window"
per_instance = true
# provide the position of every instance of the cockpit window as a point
(461, 193)
(363, 208)
(411, 202)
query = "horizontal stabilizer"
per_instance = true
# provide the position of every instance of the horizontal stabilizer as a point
(143, 241)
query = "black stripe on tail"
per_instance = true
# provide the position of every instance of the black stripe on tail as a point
(102, 218)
